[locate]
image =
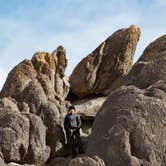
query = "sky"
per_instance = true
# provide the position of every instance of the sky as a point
(27, 26)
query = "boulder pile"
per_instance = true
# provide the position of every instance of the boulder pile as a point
(123, 107)
(130, 127)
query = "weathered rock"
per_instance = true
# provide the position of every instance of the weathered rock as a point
(53, 119)
(39, 87)
(130, 127)
(8, 103)
(37, 152)
(48, 69)
(110, 61)
(16, 164)
(22, 138)
(34, 95)
(62, 83)
(14, 135)
(151, 67)
(2, 162)
(58, 161)
(88, 107)
(18, 79)
(87, 161)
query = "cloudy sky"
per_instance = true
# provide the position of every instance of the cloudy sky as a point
(27, 26)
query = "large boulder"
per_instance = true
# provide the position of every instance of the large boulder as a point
(110, 61)
(151, 67)
(44, 71)
(88, 107)
(50, 69)
(53, 119)
(34, 95)
(39, 87)
(87, 161)
(18, 79)
(37, 152)
(14, 135)
(22, 138)
(59, 161)
(130, 127)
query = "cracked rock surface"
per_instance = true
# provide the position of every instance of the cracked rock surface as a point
(109, 62)
(130, 127)
(32, 108)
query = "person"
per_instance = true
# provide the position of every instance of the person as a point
(72, 125)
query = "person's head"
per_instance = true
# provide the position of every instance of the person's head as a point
(71, 109)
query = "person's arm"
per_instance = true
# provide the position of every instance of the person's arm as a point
(78, 122)
(66, 122)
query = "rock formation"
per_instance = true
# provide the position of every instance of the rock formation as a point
(87, 161)
(110, 61)
(101, 72)
(130, 127)
(88, 107)
(151, 67)
(32, 107)
(79, 161)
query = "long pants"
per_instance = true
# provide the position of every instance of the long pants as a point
(70, 141)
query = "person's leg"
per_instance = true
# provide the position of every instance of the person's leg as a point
(79, 142)
(68, 135)
(73, 144)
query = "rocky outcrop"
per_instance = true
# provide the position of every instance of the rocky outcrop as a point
(79, 161)
(88, 107)
(37, 151)
(130, 127)
(9, 103)
(59, 161)
(151, 67)
(44, 71)
(14, 135)
(110, 61)
(22, 137)
(87, 161)
(33, 105)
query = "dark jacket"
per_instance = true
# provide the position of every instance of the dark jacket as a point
(72, 121)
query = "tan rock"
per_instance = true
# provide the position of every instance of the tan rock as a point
(62, 82)
(18, 79)
(87, 161)
(34, 95)
(14, 135)
(88, 107)
(37, 152)
(110, 61)
(8, 103)
(36, 87)
(58, 161)
(131, 124)
(130, 127)
(151, 67)
(53, 119)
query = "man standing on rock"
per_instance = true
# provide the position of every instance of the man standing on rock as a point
(72, 125)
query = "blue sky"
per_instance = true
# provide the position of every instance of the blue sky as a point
(27, 26)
